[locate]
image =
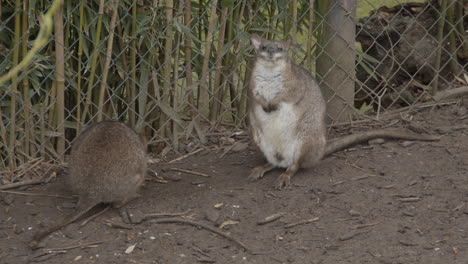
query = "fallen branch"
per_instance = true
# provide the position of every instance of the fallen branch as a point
(185, 156)
(87, 220)
(91, 244)
(191, 172)
(302, 222)
(207, 227)
(22, 183)
(451, 93)
(38, 194)
(270, 218)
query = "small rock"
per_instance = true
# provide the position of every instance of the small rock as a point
(8, 199)
(238, 147)
(212, 215)
(182, 147)
(407, 213)
(354, 213)
(408, 243)
(124, 214)
(173, 177)
(190, 147)
(461, 111)
(418, 128)
(136, 216)
(407, 143)
(19, 230)
(199, 182)
(376, 141)
(443, 130)
(68, 205)
(213, 139)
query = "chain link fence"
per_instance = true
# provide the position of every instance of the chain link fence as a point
(177, 71)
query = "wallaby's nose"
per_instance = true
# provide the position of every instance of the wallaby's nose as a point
(270, 52)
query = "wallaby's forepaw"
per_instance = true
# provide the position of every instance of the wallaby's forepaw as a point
(270, 108)
(257, 173)
(284, 180)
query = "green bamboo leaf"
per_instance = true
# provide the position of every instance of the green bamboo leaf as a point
(183, 29)
(227, 3)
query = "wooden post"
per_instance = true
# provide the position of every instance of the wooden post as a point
(336, 57)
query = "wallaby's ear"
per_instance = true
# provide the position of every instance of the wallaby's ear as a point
(256, 40)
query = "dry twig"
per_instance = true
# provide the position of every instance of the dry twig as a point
(191, 172)
(207, 227)
(22, 183)
(86, 245)
(271, 218)
(185, 156)
(38, 194)
(302, 222)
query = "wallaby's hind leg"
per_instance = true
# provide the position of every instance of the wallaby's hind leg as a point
(284, 179)
(258, 172)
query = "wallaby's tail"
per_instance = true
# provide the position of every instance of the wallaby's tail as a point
(354, 139)
(81, 210)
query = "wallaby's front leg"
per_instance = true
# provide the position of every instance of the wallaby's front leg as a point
(284, 179)
(258, 172)
(266, 106)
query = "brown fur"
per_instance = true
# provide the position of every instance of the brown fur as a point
(107, 165)
(299, 89)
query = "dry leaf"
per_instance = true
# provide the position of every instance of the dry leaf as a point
(130, 249)
(229, 223)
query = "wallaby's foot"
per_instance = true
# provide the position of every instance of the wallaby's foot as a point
(258, 172)
(284, 180)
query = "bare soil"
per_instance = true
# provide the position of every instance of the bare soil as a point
(393, 202)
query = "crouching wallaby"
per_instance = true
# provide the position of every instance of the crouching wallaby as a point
(107, 165)
(287, 114)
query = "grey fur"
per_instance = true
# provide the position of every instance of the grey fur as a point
(299, 95)
(107, 165)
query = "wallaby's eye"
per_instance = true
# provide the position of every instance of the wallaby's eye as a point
(280, 49)
(262, 48)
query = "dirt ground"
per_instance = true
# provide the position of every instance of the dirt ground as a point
(391, 202)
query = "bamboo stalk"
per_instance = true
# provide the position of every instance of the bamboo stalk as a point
(14, 88)
(60, 80)
(294, 22)
(461, 27)
(202, 89)
(94, 58)
(27, 102)
(105, 71)
(42, 129)
(452, 40)
(123, 57)
(310, 33)
(133, 51)
(217, 93)
(188, 58)
(440, 37)
(167, 67)
(3, 135)
(79, 122)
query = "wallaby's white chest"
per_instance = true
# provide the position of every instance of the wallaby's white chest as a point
(277, 137)
(268, 82)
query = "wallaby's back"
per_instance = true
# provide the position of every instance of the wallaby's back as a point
(107, 163)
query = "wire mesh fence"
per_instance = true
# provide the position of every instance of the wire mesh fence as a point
(177, 71)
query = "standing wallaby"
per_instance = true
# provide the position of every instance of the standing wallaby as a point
(107, 165)
(287, 114)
